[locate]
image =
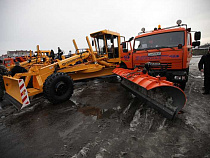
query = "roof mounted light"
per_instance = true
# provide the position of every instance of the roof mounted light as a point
(143, 29)
(159, 26)
(179, 22)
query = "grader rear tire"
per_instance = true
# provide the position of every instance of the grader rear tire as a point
(58, 87)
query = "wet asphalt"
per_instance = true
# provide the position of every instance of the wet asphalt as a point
(102, 119)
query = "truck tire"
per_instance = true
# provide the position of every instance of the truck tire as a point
(182, 85)
(58, 87)
(123, 65)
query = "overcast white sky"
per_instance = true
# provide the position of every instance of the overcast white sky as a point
(53, 23)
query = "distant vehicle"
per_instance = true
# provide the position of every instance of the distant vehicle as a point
(8, 62)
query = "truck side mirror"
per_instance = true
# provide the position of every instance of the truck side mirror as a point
(125, 50)
(124, 45)
(197, 35)
(196, 43)
(131, 39)
(180, 46)
(92, 43)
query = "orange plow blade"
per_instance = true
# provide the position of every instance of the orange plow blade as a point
(160, 94)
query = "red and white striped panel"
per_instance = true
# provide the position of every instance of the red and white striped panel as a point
(23, 93)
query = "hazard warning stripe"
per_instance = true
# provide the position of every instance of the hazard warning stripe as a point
(21, 86)
(23, 93)
(24, 98)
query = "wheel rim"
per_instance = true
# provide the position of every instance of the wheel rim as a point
(61, 88)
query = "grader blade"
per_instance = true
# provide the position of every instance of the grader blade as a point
(16, 92)
(159, 93)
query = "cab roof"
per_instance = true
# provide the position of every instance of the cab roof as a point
(161, 31)
(103, 32)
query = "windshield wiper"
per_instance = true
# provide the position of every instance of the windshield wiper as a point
(141, 49)
(158, 48)
(164, 47)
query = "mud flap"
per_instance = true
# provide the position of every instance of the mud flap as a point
(168, 100)
(16, 92)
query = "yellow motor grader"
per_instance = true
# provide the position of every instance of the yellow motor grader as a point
(40, 58)
(55, 80)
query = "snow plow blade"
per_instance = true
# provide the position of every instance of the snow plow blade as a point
(16, 92)
(160, 94)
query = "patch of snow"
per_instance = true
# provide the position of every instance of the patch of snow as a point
(136, 120)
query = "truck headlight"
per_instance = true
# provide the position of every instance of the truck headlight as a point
(177, 77)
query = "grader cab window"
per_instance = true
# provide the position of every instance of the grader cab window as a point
(107, 44)
(101, 46)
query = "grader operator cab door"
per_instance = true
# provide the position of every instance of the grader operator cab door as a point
(107, 44)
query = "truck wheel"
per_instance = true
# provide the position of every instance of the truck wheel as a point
(58, 87)
(123, 65)
(188, 70)
(182, 85)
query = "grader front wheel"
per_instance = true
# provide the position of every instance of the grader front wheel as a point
(58, 87)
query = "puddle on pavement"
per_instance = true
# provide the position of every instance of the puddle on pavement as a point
(96, 113)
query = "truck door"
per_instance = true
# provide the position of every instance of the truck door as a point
(127, 54)
(189, 49)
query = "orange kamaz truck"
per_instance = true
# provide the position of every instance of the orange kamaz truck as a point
(168, 49)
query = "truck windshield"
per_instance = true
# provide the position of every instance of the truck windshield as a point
(7, 61)
(163, 40)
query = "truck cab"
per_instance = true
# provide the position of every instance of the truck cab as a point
(169, 47)
(9, 62)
